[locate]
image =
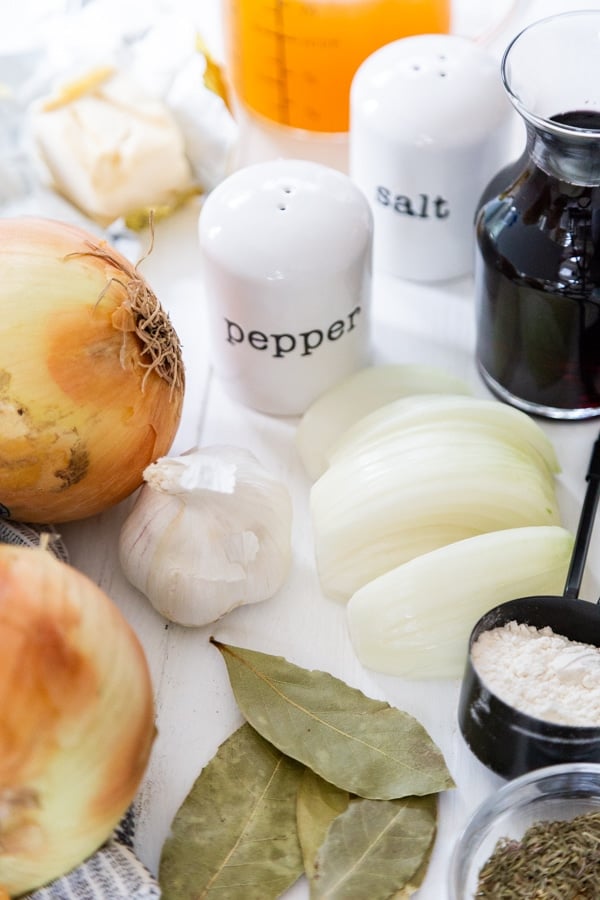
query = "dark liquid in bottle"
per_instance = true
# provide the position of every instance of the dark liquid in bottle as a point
(538, 278)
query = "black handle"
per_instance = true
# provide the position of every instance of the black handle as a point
(585, 526)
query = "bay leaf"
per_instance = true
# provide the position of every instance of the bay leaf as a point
(318, 804)
(360, 745)
(374, 848)
(235, 835)
(416, 880)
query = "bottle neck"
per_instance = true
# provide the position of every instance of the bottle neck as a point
(572, 157)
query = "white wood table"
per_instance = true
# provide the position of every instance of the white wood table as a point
(195, 708)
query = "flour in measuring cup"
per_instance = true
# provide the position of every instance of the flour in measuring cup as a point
(540, 673)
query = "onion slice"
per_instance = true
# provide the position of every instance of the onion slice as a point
(416, 491)
(415, 620)
(432, 410)
(345, 403)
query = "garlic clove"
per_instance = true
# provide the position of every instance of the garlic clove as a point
(111, 148)
(210, 531)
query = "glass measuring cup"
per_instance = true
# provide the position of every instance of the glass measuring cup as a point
(292, 61)
(506, 740)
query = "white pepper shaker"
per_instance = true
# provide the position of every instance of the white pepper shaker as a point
(286, 251)
(430, 125)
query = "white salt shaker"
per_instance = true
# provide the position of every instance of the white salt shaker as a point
(430, 125)
(286, 250)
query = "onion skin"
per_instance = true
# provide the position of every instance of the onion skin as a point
(77, 721)
(83, 410)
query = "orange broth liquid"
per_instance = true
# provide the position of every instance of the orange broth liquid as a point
(292, 62)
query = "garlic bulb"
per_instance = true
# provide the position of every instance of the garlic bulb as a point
(210, 531)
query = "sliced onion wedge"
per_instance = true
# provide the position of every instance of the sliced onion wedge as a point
(432, 410)
(415, 620)
(358, 395)
(416, 491)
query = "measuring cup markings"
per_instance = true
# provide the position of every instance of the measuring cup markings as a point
(314, 47)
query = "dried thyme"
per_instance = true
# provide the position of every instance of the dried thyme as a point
(554, 860)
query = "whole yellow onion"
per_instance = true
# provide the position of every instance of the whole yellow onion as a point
(76, 722)
(91, 375)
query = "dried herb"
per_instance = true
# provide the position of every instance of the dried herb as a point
(256, 819)
(554, 860)
(416, 879)
(318, 804)
(360, 745)
(374, 848)
(235, 833)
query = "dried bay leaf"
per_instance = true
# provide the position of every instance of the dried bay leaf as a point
(375, 849)
(360, 745)
(235, 834)
(416, 880)
(318, 804)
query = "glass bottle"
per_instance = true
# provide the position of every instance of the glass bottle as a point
(537, 267)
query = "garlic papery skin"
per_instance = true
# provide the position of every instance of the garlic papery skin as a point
(210, 531)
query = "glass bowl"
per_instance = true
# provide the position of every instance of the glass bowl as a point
(554, 793)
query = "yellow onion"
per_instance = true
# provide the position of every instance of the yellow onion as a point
(76, 721)
(91, 376)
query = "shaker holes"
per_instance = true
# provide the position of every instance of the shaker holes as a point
(286, 190)
(417, 67)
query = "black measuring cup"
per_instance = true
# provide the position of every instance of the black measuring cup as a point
(506, 740)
